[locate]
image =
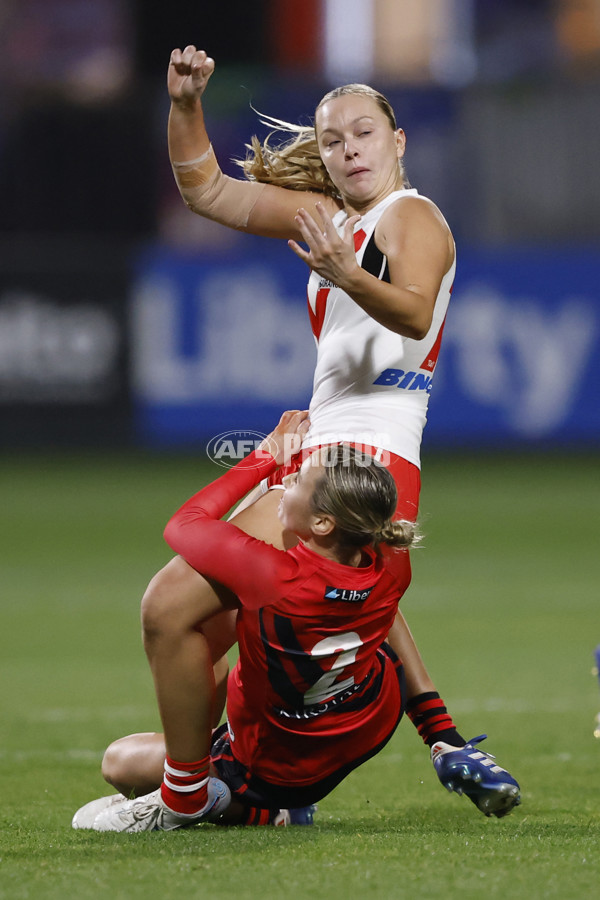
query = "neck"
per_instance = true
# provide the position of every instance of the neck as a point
(354, 207)
(346, 556)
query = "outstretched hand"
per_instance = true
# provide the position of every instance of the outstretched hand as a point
(188, 74)
(332, 256)
(286, 438)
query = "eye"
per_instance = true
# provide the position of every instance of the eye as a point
(332, 143)
(364, 133)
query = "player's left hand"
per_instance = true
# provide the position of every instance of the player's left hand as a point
(331, 255)
(286, 438)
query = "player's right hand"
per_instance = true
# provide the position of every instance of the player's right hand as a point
(286, 438)
(188, 74)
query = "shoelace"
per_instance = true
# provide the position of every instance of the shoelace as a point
(139, 811)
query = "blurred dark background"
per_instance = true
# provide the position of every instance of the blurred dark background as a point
(127, 321)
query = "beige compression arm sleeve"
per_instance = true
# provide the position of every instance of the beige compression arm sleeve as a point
(210, 193)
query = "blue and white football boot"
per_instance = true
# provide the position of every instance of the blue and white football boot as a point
(303, 815)
(466, 770)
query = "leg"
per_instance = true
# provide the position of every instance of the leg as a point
(188, 625)
(221, 673)
(134, 764)
(180, 610)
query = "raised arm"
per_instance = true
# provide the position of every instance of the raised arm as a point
(247, 206)
(220, 550)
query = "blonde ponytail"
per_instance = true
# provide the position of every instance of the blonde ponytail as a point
(294, 163)
(360, 495)
(399, 533)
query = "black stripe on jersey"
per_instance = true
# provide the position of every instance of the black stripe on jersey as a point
(308, 670)
(278, 677)
(374, 262)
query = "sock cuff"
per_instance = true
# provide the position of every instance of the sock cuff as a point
(430, 717)
(185, 769)
(184, 788)
(254, 815)
(185, 785)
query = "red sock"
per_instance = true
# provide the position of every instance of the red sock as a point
(184, 787)
(254, 815)
(432, 720)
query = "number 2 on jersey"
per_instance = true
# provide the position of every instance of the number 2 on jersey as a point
(327, 685)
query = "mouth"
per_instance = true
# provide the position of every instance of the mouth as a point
(357, 171)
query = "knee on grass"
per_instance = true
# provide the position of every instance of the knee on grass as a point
(134, 765)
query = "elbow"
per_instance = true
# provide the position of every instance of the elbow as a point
(418, 327)
(170, 532)
(192, 204)
(422, 332)
(416, 331)
(413, 324)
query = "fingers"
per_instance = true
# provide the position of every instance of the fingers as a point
(203, 67)
(303, 427)
(286, 438)
(327, 234)
(192, 61)
(328, 226)
(307, 225)
(349, 226)
(329, 254)
(311, 234)
(293, 419)
(299, 251)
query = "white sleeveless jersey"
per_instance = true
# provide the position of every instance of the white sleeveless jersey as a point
(371, 386)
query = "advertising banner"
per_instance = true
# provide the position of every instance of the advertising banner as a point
(520, 360)
(221, 342)
(63, 344)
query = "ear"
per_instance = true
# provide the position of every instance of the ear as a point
(322, 525)
(400, 143)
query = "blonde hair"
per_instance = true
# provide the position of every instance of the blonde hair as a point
(359, 493)
(295, 162)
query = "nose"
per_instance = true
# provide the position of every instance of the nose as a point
(350, 150)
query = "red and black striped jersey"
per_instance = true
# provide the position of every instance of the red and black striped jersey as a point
(311, 690)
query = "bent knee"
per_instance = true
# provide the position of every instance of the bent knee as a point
(170, 601)
(179, 598)
(134, 764)
(156, 605)
(116, 763)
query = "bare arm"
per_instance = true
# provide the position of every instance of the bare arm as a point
(187, 76)
(247, 206)
(402, 643)
(419, 247)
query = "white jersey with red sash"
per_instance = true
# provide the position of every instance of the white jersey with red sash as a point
(371, 386)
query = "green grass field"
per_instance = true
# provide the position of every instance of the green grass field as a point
(504, 605)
